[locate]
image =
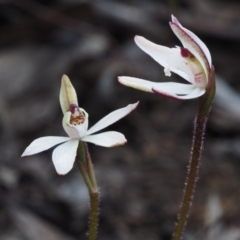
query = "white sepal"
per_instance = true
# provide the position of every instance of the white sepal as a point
(148, 86)
(106, 139)
(195, 38)
(137, 83)
(111, 118)
(64, 156)
(190, 41)
(194, 93)
(42, 144)
(175, 88)
(169, 58)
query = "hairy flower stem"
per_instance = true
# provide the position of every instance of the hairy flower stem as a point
(94, 212)
(194, 163)
(192, 175)
(85, 166)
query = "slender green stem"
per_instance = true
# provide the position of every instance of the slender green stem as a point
(193, 167)
(94, 198)
(85, 175)
(94, 212)
(91, 169)
(85, 166)
(194, 163)
(82, 151)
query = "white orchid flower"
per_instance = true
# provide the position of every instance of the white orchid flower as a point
(192, 62)
(75, 123)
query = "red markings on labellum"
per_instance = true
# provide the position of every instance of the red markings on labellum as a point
(77, 116)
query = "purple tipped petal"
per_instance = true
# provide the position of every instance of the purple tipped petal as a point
(196, 39)
(193, 44)
(148, 86)
(137, 83)
(183, 94)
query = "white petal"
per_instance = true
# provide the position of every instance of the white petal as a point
(201, 44)
(74, 131)
(193, 44)
(42, 144)
(137, 83)
(176, 88)
(148, 86)
(169, 58)
(177, 92)
(112, 118)
(106, 139)
(64, 156)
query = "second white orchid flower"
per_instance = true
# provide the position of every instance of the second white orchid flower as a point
(75, 123)
(192, 62)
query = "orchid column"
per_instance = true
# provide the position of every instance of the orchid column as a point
(193, 63)
(74, 147)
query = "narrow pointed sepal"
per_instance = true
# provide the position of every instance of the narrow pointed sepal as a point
(112, 118)
(136, 83)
